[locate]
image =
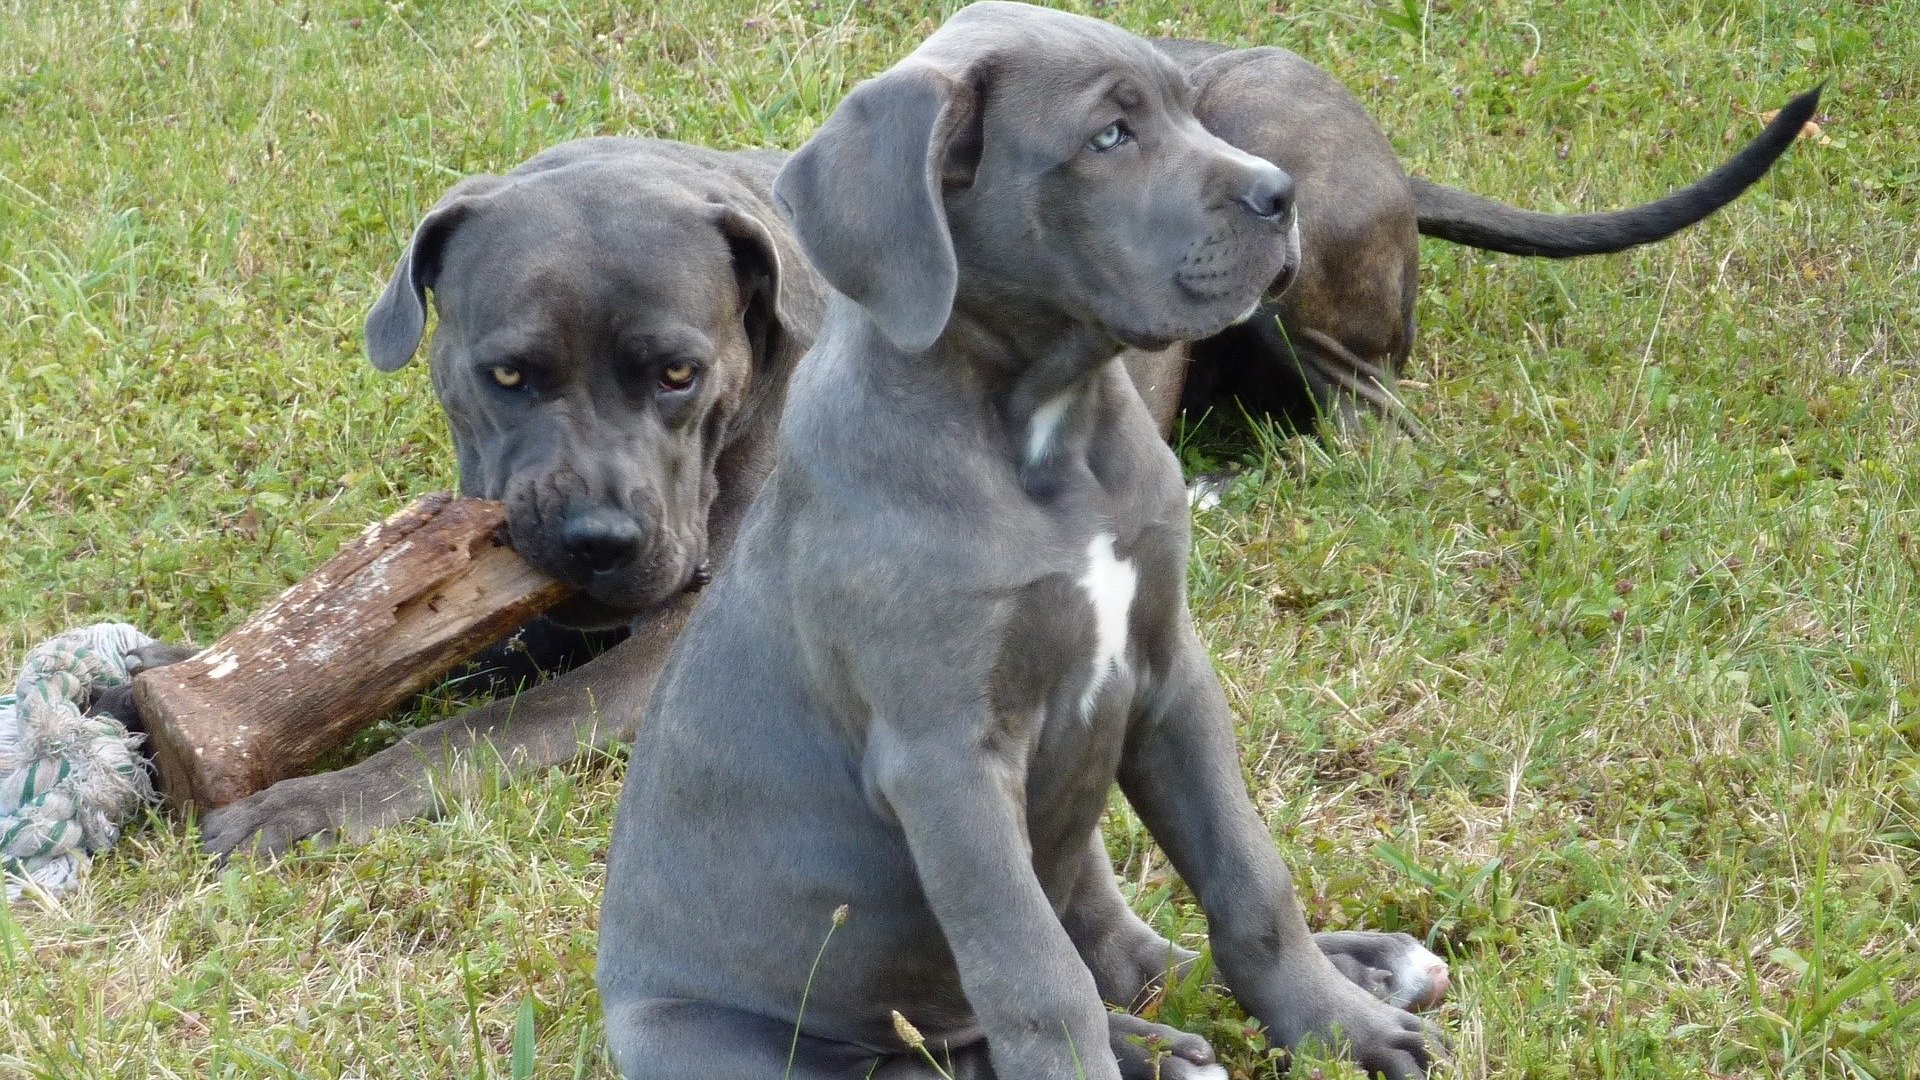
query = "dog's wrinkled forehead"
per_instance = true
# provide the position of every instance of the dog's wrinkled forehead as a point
(588, 237)
(1060, 51)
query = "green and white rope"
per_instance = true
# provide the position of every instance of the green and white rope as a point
(67, 780)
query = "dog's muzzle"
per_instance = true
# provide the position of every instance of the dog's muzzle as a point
(1291, 269)
(1226, 267)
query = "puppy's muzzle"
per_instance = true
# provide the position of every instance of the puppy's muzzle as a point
(1270, 195)
(1221, 266)
(1291, 268)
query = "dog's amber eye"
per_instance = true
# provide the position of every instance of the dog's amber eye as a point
(506, 377)
(678, 375)
(1109, 137)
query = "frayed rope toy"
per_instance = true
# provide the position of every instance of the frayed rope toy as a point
(68, 781)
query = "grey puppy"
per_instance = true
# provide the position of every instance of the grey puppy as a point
(956, 614)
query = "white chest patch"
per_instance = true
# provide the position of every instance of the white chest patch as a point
(1109, 582)
(1046, 421)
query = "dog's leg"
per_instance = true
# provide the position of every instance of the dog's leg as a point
(959, 806)
(1129, 960)
(1182, 773)
(548, 724)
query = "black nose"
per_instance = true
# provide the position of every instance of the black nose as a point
(1270, 195)
(601, 541)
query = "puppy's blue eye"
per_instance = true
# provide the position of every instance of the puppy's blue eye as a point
(1109, 137)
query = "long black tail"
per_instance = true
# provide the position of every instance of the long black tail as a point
(1466, 218)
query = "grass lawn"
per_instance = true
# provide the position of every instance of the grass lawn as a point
(1611, 688)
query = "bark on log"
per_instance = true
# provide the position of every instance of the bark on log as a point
(395, 609)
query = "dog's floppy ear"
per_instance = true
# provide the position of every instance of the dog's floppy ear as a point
(399, 317)
(771, 272)
(864, 196)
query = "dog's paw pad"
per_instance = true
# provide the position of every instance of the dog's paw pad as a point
(1395, 968)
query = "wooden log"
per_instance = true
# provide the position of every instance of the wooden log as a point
(395, 609)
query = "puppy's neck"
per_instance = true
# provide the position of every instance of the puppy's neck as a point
(1037, 380)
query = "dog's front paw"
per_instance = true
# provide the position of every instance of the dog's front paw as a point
(1387, 1040)
(158, 655)
(1150, 1051)
(1319, 1007)
(1205, 491)
(272, 821)
(1395, 968)
(117, 701)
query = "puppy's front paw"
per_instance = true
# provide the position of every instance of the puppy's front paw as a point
(1380, 1038)
(1308, 1003)
(1150, 1051)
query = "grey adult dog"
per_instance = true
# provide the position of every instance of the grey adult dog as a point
(558, 284)
(956, 614)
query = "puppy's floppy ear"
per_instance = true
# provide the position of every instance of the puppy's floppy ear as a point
(864, 196)
(399, 317)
